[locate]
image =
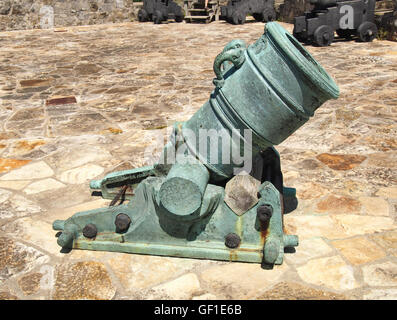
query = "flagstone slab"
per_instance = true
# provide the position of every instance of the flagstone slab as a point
(387, 192)
(30, 283)
(357, 225)
(338, 204)
(43, 185)
(359, 250)
(16, 258)
(387, 240)
(144, 271)
(297, 291)
(375, 206)
(381, 294)
(37, 170)
(381, 274)
(241, 280)
(14, 185)
(81, 174)
(181, 288)
(308, 249)
(308, 226)
(331, 272)
(36, 232)
(14, 205)
(86, 280)
(10, 164)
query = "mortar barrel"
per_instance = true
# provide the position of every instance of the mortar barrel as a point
(274, 87)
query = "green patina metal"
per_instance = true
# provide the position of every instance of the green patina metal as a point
(270, 88)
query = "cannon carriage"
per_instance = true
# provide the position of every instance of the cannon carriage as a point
(236, 11)
(160, 10)
(346, 18)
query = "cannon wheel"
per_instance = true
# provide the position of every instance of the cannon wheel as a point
(268, 15)
(142, 15)
(299, 37)
(157, 17)
(238, 18)
(323, 36)
(258, 16)
(178, 18)
(367, 31)
(345, 33)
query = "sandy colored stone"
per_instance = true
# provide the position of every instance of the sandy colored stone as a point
(144, 271)
(359, 250)
(16, 258)
(341, 161)
(297, 291)
(16, 206)
(384, 159)
(387, 240)
(380, 274)
(86, 280)
(43, 185)
(381, 294)
(181, 288)
(7, 296)
(14, 185)
(206, 296)
(338, 204)
(331, 272)
(24, 146)
(310, 190)
(81, 174)
(37, 170)
(387, 192)
(11, 164)
(375, 206)
(78, 155)
(30, 283)
(313, 226)
(64, 213)
(37, 232)
(358, 225)
(241, 280)
(308, 249)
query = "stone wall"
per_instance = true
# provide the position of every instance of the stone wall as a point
(33, 14)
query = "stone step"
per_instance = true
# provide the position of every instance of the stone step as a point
(197, 17)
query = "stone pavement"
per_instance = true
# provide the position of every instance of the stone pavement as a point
(79, 102)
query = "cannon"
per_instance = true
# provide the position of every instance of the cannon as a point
(160, 10)
(236, 11)
(217, 190)
(347, 18)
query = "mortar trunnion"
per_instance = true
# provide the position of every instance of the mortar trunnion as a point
(232, 208)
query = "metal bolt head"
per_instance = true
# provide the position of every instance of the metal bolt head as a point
(90, 231)
(264, 213)
(122, 222)
(232, 241)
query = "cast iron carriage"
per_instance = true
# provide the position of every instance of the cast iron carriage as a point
(347, 18)
(236, 11)
(160, 10)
